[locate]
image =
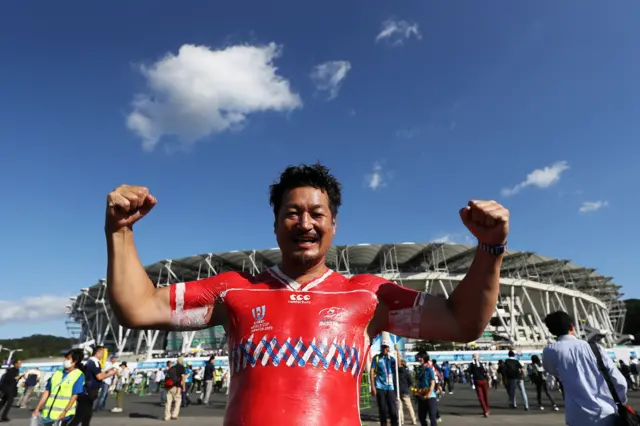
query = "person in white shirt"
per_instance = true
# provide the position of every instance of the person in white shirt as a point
(32, 377)
(101, 402)
(158, 379)
(588, 400)
(634, 368)
(122, 380)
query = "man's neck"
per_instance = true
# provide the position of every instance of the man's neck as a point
(302, 272)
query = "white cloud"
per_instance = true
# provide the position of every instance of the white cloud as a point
(408, 133)
(376, 178)
(33, 309)
(592, 206)
(328, 77)
(540, 178)
(200, 91)
(396, 32)
(454, 239)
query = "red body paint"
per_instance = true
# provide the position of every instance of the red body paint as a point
(297, 351)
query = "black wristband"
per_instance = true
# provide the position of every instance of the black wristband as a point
(493, 249)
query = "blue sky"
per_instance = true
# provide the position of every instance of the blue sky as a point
(417, 106)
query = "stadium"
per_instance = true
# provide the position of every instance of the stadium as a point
(531, 286)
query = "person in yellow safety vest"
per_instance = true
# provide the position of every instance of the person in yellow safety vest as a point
(62, 390)
(217, 375)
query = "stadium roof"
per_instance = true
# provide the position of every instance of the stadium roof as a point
(401, 257)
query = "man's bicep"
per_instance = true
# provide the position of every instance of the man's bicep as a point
(417, 314)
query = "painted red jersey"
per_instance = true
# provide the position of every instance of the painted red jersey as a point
(297, 351)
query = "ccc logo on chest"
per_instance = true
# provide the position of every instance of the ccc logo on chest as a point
(300, 299)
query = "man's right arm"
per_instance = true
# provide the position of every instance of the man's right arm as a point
(138, 304)
(134, 299)
(548, 361)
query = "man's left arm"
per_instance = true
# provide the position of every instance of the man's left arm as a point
(465, 314)
(460, 318)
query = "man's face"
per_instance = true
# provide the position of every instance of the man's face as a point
(99, 354)
(304, 226)
(385, 350)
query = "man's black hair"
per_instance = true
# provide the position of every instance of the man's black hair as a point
(424, 356)
(316, 176)
(96, 349)
(512, 354)
(559, 323)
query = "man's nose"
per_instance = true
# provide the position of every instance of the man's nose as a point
(306, 222)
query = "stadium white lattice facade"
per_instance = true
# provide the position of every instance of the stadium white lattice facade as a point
(531, 286)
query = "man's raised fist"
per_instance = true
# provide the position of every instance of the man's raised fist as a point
(126, 205)
(488, 221)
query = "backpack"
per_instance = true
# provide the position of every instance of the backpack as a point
(626, 415)
(172, 378)
(511, 368)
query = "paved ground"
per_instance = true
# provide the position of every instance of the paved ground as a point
(461, 408)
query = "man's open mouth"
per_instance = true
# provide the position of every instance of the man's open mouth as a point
(305, 241)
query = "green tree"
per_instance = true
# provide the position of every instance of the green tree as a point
(36, 346)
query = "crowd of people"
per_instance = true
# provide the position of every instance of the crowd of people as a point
(578, 369)
(84, 387)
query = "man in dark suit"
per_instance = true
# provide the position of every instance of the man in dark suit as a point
(9, 389)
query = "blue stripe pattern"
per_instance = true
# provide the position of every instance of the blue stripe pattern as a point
(294, 352)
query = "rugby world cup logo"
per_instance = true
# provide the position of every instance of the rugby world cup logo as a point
(259, 312)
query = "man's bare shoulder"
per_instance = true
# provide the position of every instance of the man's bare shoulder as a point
(367, 281)
(225, 280)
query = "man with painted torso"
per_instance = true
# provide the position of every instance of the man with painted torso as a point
(299, 333)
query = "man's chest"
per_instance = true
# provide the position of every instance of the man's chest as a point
(285, 313)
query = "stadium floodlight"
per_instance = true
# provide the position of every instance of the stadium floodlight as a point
(11, 352)
(624, 339)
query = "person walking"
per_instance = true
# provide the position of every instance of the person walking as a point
(176, 386)
(105, 385)
(538, 377)
(515, 374)
(58, 402)
(9, 388)
(447, 380)
(383, 372)
(587, 397)
(426, 392)
(121, 382)
(405, 383)
(30, 382)
(480, 379)
(208, 380)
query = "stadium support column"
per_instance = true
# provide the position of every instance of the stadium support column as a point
(576, 317)
(101, 305)
(512, 314)
(389, 264)
(543, 330)
(187, 340)
(151, 341)
(123, 336)
(342, 261)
